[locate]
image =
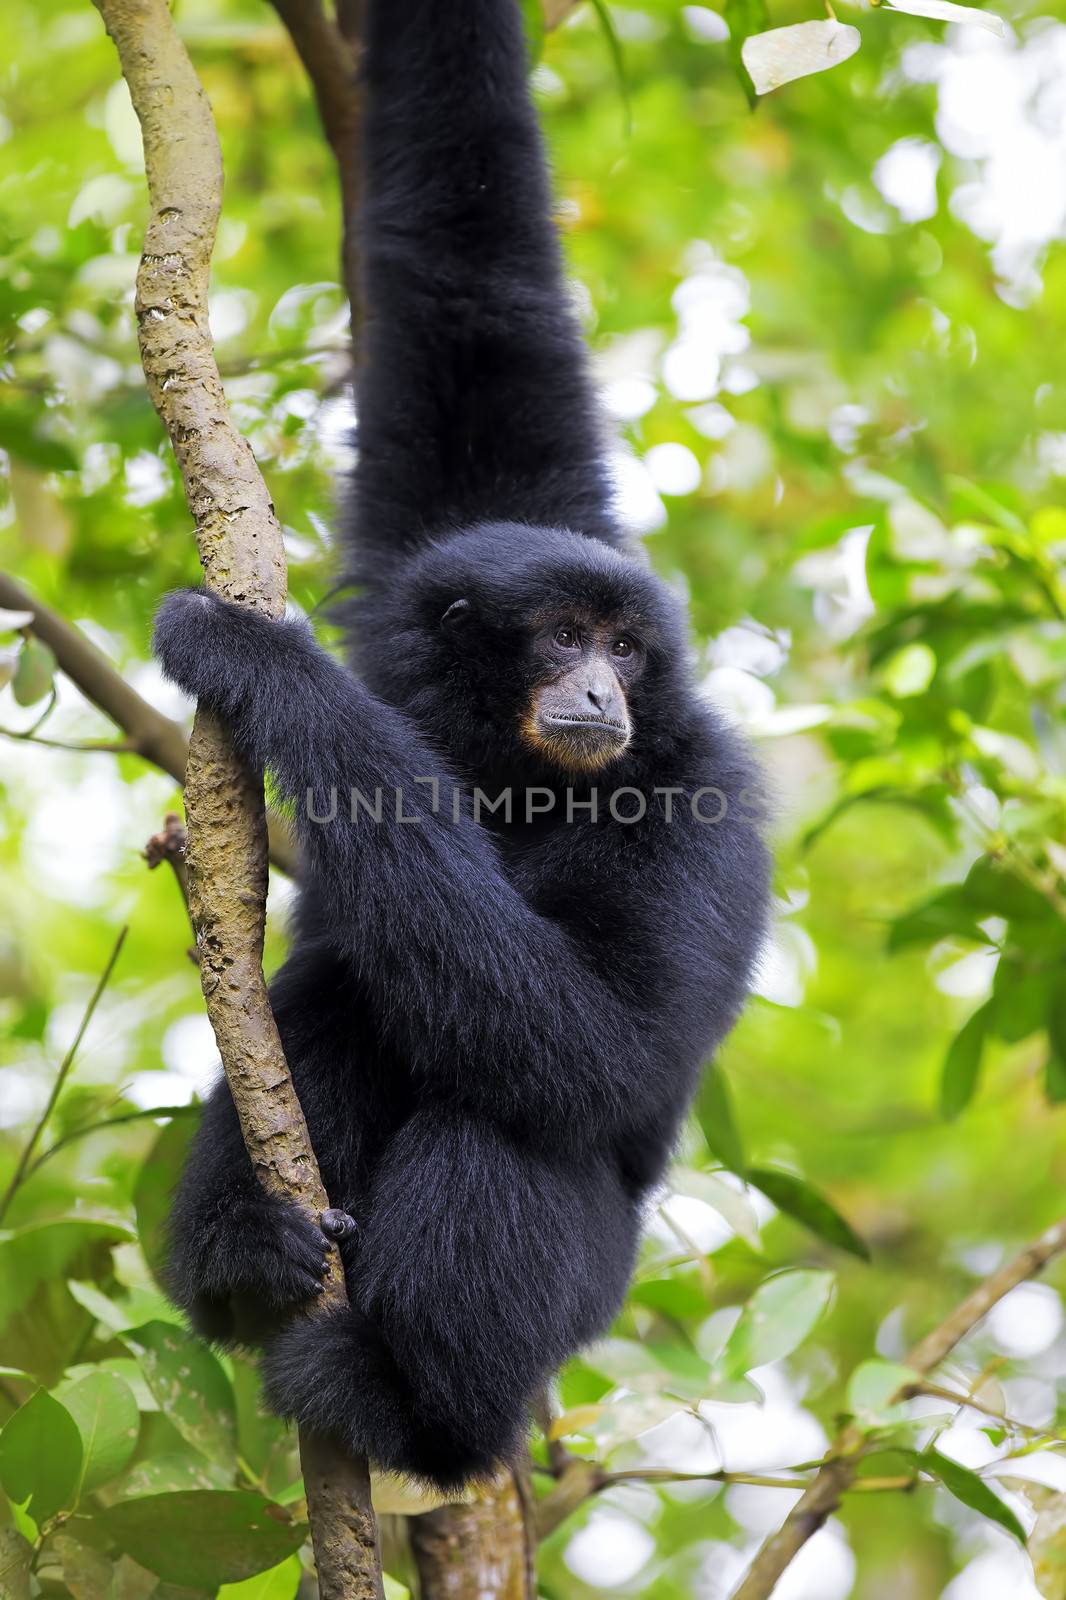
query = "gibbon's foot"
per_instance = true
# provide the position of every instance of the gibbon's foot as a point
(338, 1225)
(285, 1260)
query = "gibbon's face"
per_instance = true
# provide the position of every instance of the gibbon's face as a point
(551, 633)
(577, 716)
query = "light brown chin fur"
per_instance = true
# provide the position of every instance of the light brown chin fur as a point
(565, 753)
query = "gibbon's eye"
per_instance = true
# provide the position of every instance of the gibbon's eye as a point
(566, 638)
(622, 647)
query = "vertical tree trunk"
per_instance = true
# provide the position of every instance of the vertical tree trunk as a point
(242, 554)
(483, 1550)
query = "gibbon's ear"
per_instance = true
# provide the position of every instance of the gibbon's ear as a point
(458, 612)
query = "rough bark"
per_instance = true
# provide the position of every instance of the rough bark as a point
(241, 551)
(482, 1549)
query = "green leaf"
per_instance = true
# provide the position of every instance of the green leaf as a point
(714, 1112)
(949, 912)
(681, 1293)
(108, 1421)
(744, 18)
(781, 55)
(46, 1251)
(729, 1203)
(949, 11)
(909, 671)
(87, 1574)
(20, 437)
(40, 1457)
(1055, 1078)
(871, 1389)
(16, 1555)
(777, 1318)
(280, 1583)
(972, 1490)
(166, 1474)
(190, 1386)
(154, 1189)
(993, 890)
(962, 1064)
(34, 672)
(1021, 1000)
(1056, 1018)
(99, 1305)
(795, 1197)
(202, 1538)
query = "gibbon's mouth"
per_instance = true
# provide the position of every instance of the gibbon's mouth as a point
(580, 744)
(596, 724)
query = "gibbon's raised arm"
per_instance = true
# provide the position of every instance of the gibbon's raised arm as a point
(515, 1022)
(473, 398)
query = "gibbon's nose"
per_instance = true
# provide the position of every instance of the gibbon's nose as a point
(600, 695)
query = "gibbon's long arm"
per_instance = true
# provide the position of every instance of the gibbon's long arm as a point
(473, 398)
(516, 1023)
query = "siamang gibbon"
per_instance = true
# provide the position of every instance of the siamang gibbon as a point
(495, 1013)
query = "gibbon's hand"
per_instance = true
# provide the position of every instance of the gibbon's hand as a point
(212, 649)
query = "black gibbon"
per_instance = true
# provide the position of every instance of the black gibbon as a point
(495, 1014)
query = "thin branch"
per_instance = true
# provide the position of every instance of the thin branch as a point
(242, 553)
(821, 1498)
(154, 736)
(75, 1134)
(330, 52)
(39, 721)
(169, 845)
(111, 747)
(581, 1479)
(22, 1166)
(149, 733)
(969, 1402)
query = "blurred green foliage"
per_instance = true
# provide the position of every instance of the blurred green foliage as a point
(843, 432)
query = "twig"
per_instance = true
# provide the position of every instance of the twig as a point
(169, 845)
(330, 53)
(99, 1127)
(951, 1397)
(149, 733)
(581, 1479)
(241, 549)
(22, 1166)
(30, 733)
(822, 1497)
(112, 747)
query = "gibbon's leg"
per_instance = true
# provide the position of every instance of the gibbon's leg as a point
(482, 1265)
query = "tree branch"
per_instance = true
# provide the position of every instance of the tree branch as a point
(148, 732)
(478, 1548)
(822, 1497)
(241, 550)
(152, 735)
(330, 52)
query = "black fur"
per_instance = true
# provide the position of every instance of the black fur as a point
(495, 1028)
